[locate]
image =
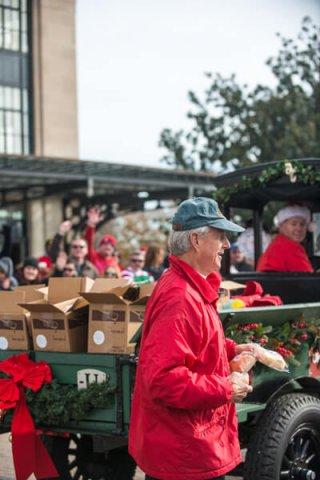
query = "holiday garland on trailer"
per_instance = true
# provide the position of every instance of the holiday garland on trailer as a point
(29, 392)
(288, 339)
(57, 404)
(294, 169)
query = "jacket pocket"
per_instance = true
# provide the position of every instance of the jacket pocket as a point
(215, 420)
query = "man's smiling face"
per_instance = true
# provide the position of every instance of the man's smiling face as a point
(211, 249)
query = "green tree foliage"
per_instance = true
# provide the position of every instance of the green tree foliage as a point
(231, 125)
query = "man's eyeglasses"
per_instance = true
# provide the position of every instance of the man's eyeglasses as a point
(77, 246)
(136, 260)
(69, 269)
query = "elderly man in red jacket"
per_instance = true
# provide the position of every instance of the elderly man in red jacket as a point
(183, 424)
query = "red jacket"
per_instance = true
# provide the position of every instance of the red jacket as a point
(284, 255)
(183, 424)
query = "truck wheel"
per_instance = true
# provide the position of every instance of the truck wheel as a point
(286, 443)
(75, 459)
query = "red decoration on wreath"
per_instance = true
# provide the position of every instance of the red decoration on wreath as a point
(29, 453)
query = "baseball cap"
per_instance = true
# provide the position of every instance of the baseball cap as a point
(108, 239)
(202, 212)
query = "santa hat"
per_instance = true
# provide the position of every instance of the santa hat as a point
(292, 211)
(44, 262)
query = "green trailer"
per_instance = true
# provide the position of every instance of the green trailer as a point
(279, 423)
(281, 413)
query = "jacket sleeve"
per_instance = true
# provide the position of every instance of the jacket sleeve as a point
(167, 355)
(231, 348)
(56, 247)
(89, 235)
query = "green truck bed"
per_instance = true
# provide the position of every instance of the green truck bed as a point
(120, 371)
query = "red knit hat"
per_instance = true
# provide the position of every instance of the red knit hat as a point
(108, 239)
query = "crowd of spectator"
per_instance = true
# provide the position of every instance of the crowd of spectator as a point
(82, 257)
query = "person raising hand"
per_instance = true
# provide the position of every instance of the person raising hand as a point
(105, 254)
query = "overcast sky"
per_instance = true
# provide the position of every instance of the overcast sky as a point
(137, 59)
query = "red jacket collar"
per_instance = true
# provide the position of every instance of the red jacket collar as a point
(207, 287)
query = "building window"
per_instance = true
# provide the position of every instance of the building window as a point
(15, 81)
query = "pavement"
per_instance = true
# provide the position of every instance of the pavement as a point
(6, 463)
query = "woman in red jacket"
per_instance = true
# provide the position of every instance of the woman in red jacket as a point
(183, 424)
(285, 253)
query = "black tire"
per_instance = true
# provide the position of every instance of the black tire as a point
(286, 443)
(75, 459)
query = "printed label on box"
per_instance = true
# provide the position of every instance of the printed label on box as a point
(109, 316)
(136, 316)
(98, 337)
(41, 341)
(47, 324)
(3, 343)
(9, 324)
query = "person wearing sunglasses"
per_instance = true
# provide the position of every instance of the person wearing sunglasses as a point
(70, 269)
(135, 267)
(78, 253)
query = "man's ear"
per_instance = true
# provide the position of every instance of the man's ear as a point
(194, 240)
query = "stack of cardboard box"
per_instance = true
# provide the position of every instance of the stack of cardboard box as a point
(73, 315)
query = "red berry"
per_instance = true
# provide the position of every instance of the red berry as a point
(302, 325)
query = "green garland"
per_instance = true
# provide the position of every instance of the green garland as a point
(56, 404)
(288, 339)
(306, 174)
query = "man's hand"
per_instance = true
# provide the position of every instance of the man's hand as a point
(65, 227)
(240, 386)
(94, 216)
(245, 347)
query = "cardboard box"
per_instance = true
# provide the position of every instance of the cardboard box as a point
(14, 333)
(113, 319)
(33, 292)
(60, 321)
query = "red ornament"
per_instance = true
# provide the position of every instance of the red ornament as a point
(29, 453)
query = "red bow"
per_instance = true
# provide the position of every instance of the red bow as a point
(29, 453)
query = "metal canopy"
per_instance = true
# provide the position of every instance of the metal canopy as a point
(29, 177)
(281, 189)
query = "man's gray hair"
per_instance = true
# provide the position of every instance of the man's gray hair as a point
(179, 242)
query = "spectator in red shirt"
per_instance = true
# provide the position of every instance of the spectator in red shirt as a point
(285, 253)
(105, 255)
